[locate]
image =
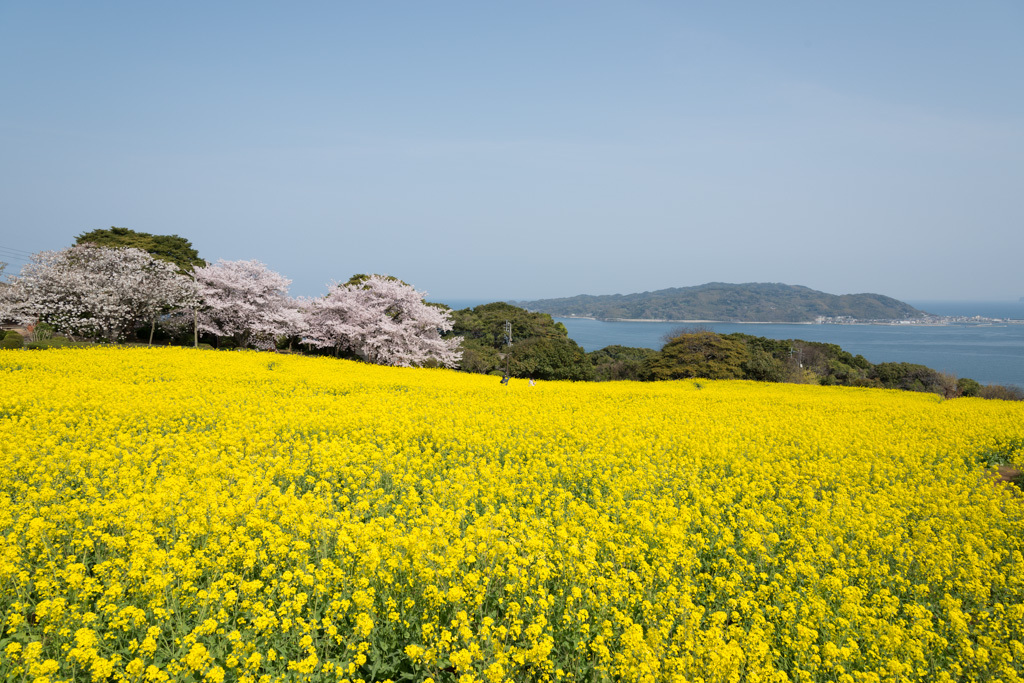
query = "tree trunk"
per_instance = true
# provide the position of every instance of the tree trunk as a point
(195, 327)
(152, 329)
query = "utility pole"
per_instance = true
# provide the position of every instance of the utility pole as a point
(508, 342)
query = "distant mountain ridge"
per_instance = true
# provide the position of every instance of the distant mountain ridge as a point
(725, 302)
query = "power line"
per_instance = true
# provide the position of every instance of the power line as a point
(7, 258)
(13, 254)
(15, 250)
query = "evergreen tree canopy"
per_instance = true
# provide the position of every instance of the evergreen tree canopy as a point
(620, 362)
(172, 248)
(699, 354)
(541, 347)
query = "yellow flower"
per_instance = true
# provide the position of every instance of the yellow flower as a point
(198, 657)
(175, 503)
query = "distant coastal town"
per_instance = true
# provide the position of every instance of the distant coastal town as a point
(930, 320)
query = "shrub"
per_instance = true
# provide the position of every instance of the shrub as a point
(946, 385)
(616, 362)
(12, 340)
(968, 387)
(40, 332)
(55, 342)
(1002, 392)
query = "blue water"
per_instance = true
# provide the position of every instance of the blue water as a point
(1013, 310)
(990, 354)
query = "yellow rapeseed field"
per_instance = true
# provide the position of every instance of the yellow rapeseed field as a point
(178, 514)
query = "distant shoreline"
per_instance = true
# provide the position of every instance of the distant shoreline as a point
(681, 322)
(894, 323)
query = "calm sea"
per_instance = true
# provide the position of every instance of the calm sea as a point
(988, 353)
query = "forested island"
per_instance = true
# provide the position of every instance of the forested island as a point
(723, 302)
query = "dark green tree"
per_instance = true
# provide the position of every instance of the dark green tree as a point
(763, 366)
(795, 360)
(908, 377)
(360, 278)
(486, 324)
(541, 349)
(619, 362)
(480, 359)
(968, 386)
(550, 358)
(698, 354)
(172, 248)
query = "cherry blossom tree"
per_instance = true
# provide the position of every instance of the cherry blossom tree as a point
(184, 317)
(94, 291)
(382, 320)
(244, 300)
(292, 321)
(6, 312)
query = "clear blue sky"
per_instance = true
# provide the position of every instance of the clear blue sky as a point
(518, 150)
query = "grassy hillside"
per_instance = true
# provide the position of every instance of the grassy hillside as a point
(179, 514)
(751, 302)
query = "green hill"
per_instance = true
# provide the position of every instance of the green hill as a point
(719, 301)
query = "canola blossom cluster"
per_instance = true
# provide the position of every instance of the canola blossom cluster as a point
(189, 515)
